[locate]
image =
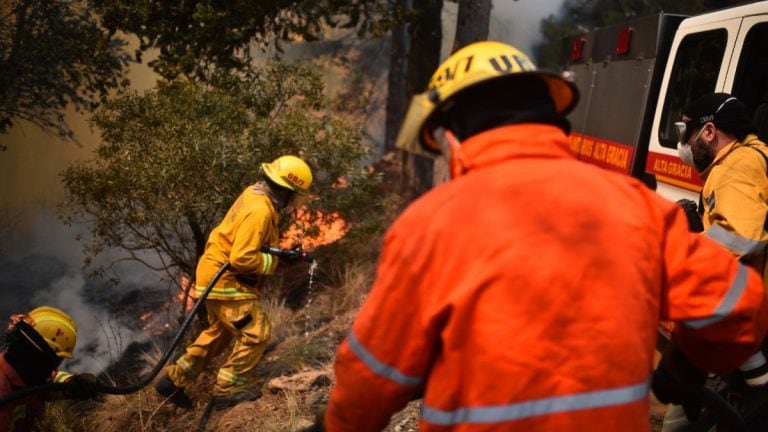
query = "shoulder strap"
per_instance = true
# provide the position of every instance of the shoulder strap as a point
(765, 159)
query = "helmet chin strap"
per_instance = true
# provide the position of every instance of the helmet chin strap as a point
(450, 146)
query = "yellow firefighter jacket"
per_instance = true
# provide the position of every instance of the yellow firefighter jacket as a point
(735, 201)
(251, 222)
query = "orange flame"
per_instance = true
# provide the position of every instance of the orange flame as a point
(154, 323)
(330, 228)
(186, 287)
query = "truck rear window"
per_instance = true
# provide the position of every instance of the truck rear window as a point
(694, 73)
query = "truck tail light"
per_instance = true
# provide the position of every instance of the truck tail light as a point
(623, 41)
(577, 48)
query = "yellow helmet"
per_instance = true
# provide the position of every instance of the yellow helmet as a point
(473, 64)
(57, 328)
(289, 172)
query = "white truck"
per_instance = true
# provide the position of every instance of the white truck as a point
(635, 79)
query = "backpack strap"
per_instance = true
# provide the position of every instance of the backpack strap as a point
(765, 159)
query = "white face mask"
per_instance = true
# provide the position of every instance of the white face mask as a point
(684, 150)
(685, 153)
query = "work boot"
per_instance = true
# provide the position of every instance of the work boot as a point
(167, 388)
(229, 400)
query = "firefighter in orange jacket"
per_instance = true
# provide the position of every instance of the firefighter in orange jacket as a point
(36, 344)
(233, 305)
(524, 294)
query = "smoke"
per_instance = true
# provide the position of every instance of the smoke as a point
(513, 22)
(517, 22)
(45, 269)
(101, 339)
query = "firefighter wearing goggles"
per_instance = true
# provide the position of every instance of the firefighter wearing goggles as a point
(716, 136)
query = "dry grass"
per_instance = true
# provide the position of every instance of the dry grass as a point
(305, 339)
(283, 320)
(356, 281)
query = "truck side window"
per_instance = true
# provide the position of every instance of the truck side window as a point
(750, 83)
(694, 73)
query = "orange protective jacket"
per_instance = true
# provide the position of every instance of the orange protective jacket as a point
(525, 295)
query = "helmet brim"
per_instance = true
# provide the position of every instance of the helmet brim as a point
(278, 180)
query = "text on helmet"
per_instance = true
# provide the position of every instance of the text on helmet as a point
(503, 64)
(295, 179)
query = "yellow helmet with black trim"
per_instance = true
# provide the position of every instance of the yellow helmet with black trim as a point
(57, 328)
(476, 63)
(289, 172)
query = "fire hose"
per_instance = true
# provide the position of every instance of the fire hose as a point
(132, 388)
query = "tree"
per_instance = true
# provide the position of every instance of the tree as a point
(414, 56)
(175, 158)
(196, 35)
(472, 22)
(397, 101)
(580, 16)
(54, 55)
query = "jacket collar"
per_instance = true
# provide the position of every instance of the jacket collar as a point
(725, 151)
(530, 140)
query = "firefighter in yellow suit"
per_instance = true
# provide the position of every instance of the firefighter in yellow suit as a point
(233, 305)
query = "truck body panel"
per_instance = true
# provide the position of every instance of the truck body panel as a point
(635, 78)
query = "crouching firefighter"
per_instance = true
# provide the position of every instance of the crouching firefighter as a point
(36, 344)
(233, 305)
(522, 334)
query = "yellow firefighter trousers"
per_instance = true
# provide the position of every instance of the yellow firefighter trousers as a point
(225, 316)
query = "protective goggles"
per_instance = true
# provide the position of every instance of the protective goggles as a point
(684, 130)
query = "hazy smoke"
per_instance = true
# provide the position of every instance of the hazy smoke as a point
(44, 269)
(513, 22)
(101, 338)
(517, 22)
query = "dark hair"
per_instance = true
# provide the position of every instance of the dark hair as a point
(281, 193)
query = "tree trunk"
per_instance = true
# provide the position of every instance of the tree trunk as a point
(424, 57)
(396, 100)
(472, 22)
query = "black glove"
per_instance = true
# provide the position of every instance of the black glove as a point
(692, 214)
(291, 256)
(675, 381)
(81, 386)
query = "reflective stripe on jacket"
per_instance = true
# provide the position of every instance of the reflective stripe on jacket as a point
(251, 222)
(735, 201)
(525, 295)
